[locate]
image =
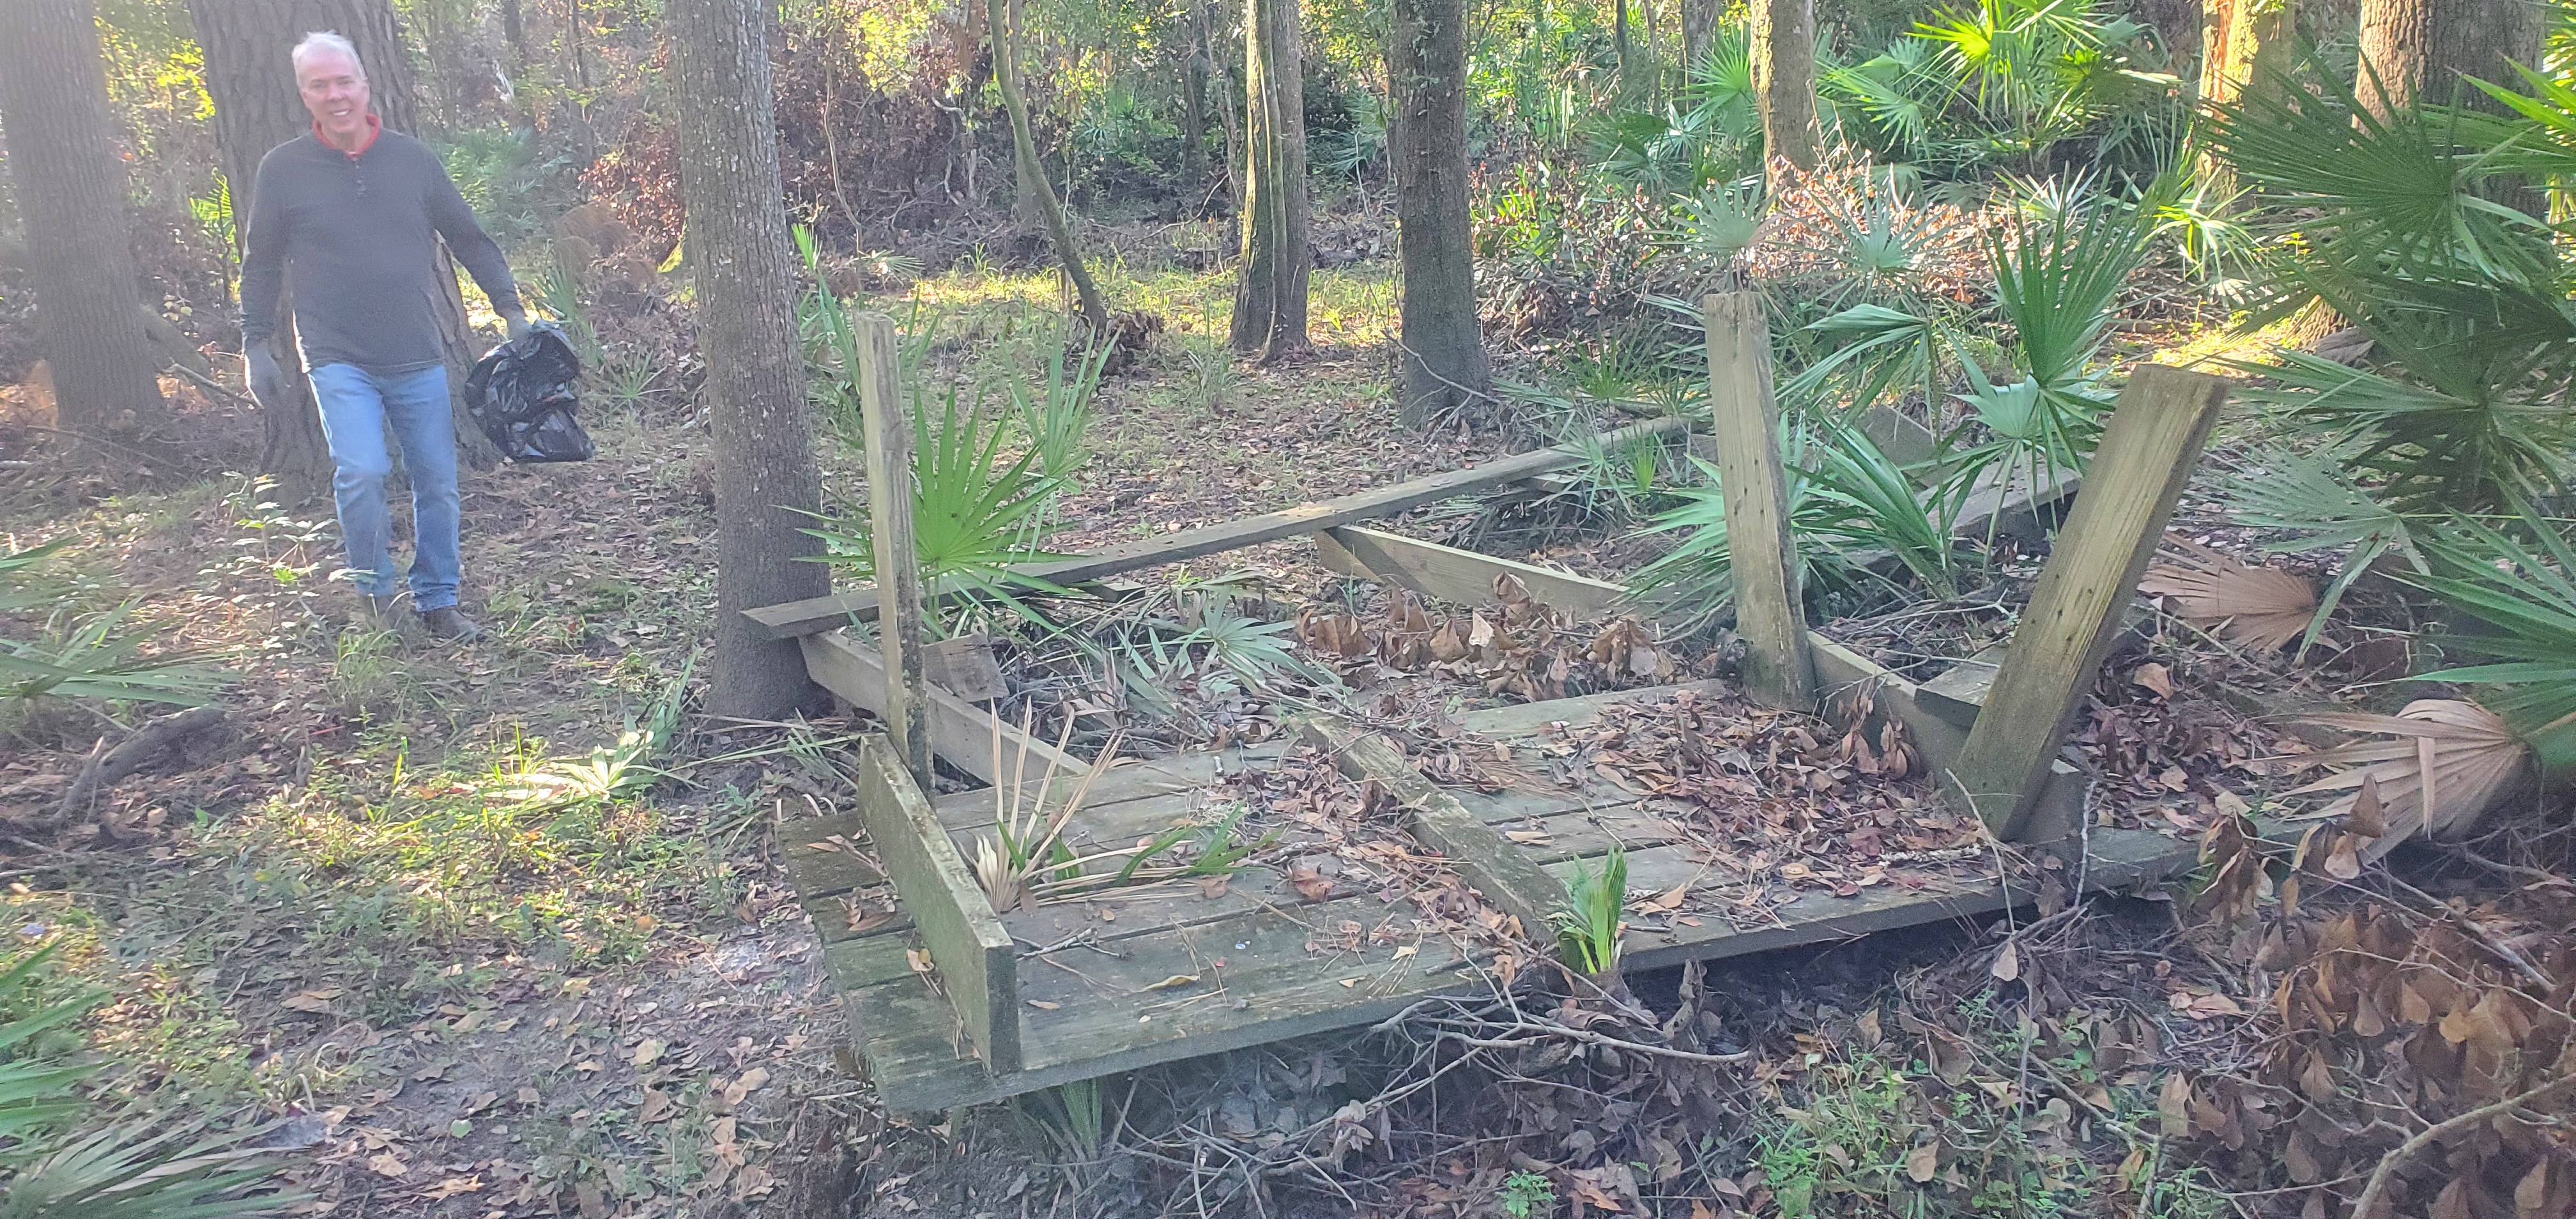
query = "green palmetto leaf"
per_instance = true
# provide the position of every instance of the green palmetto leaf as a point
(2312, 495)
(16, 593)
(1864, 500)
(2525, 589)
(99, 658)
(2435, 447)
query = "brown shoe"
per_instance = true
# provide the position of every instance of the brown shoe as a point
(448, 624)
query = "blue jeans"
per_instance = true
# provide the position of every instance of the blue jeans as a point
(356, 406)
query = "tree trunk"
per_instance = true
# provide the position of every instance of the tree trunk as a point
(1024, 145)
(1784, 80)
(1699, 29)
(514, 30)
(766, 479)
(2419, 50)
(71, 190)
(1194, 83)
(256, 109)
(1270, 290)
(1619, 47)
(2249, 49)
(1444, 366)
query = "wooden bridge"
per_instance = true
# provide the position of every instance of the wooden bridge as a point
(952, 1003)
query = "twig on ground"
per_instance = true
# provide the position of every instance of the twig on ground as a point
(106, 766)
(2369, 1199)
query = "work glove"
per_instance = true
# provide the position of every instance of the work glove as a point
(267, 380)
(517, 324)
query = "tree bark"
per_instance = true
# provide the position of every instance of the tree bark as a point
(1270, 290)
(2248, 45)
(2420, 50)
(256, 109)
(1024, 146)
(1784, 80)
(1699, 29)
(1194, 83)
(72, 192)
(1443, 362)
(766, 478)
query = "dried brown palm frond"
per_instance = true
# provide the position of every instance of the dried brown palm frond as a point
(2259, 606)
(2451, 761)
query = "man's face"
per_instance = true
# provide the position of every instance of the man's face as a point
(335, 90)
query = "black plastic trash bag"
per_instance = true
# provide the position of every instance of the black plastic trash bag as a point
(522, 395)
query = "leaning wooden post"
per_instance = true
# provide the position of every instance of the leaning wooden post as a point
(889, 463)
(1745, 420)
(2073, 619)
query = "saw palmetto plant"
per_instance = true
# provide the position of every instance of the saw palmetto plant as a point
(1027, 841)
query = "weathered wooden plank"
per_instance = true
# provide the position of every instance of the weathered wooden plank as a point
(1745, 418)
(1488, 861)
(976, 961)
(859, 605)
(1525, 719)
(960, 731)
(1846, 673)
(2146, 456)
(888, 428)
(1461, 576)
(1127, 780)
(964, 666)
(1957, 693)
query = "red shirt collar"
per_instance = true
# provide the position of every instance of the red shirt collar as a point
(375, 127)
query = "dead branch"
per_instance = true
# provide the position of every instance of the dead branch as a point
(105, 769)
(2362, 1207)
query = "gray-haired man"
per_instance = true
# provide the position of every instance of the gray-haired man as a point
(349, 215)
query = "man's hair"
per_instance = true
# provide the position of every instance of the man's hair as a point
(325, 40)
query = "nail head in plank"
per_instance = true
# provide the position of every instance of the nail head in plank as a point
(1745, 419)
(1486, 859)
(814, 614)
(2146, 456)
(976, 961)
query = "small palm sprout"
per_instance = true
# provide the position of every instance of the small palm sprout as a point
(1587, 927)
(1028, 837)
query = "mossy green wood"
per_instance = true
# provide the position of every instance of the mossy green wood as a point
(1745, 419)
(977, 963)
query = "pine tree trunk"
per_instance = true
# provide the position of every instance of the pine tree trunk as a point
(1194, 83)
(1024, 146)
(256, 109)
(763, 434)
(1270, 290)
(1444, 367)
(2249, 49)
(72, 192)
(2420, 50)
(1699, 29)
(1784, 80)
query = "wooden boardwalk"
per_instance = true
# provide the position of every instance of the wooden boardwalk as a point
(1128, 979)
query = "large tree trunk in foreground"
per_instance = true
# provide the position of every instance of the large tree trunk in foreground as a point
(2422, 49)
(1270, 290)
(2248, 46)
(1784, 80)
(71, 189)
(764, 442)
(1024, 146)
(1426, 67)
(256, 109)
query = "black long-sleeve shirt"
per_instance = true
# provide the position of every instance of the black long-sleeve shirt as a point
(355, 236)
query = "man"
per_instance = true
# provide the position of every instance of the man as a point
(349, 216)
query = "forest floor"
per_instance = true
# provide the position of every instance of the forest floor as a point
(375, 915)
(356, 908)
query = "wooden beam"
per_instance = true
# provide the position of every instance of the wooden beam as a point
(1491, 863)
(1462, 576)
(889, 466)
(1745, 419)
(977, 962)
(2146, 456)
(806, 617)
(959, 730)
